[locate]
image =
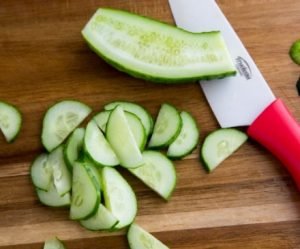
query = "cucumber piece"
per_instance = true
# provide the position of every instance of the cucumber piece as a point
(41, 172)
(54, 243)
(166, 128)
(85, 197)
(61, 175)
(103, 219)
(295, 52)
(97, 148)
(156, 51)
(219, 145)
(52, 198)
(101, 119)
(73, 147)
(121, 139)
(60, 120)
(136, 109)
(119, 197)
(138, 238)
(94, 173)
(134, 122)
(157, 172)
(187, 139)
(10, 121)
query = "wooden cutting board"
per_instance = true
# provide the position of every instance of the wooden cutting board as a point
(250, 201)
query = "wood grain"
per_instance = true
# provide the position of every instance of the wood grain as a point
(249, 202)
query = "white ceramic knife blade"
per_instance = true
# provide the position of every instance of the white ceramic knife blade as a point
(235, 101)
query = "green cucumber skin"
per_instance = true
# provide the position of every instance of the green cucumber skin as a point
(295, 52)
(13, 139)
(152, 78)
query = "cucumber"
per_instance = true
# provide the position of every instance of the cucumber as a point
(73, 147)
(85, 196)
(219, 145)
(54, 243)
(295, 52)
(187, 139)
(41, 172)
(60, 120)
(10, 121)
(156, 51)
(101, 119)
(97, 148)
(52, 198)
(138, 238)
(134, 122)
(136, 109)
(119, 197)
(121, 139)
(166, 128)
(94, 173)
(103, 219)
(157, 172)
(61, 175)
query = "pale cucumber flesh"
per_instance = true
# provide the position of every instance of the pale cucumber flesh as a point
(54, 243)
(41, 172)
(156, 51)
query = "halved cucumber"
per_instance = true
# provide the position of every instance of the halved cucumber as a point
(136, 109)
(103, 219)
(119, 197)
(60, 120)
(61, 175)
(54, 243)
(52, 198)
(97, 148)
(41, 172)
(10, 121)
(73, 147)
(138, 238)
(134, 122)
(157, 172)
(166, 128)
(219, 145)
(156, 51)
(85, 197)
(187, 139)
(121, 139)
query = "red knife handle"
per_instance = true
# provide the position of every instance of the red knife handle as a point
(277, 130)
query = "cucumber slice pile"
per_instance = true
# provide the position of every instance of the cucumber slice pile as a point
(81, 172)
(156, 51)
(220, 144)
(10, 121)
(138, 238)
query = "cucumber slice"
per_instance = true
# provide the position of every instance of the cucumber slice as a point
(219, 145)
(10, 121)
(187, 139)
(134, 122)
(121, 139)
(119, 197)
(103, 219)
(97, 148)
(52, 198)
(157, 172)
(60, 120)
(94, 173)
(85, 197)
(61, 175)
(136, 109)
(101, 119)
(295, 52)
(138, 238)
(54, 243)
(41, 172)
(166, 128)
(73, 147)
(156, 51)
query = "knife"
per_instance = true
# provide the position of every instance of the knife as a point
(246, 99)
